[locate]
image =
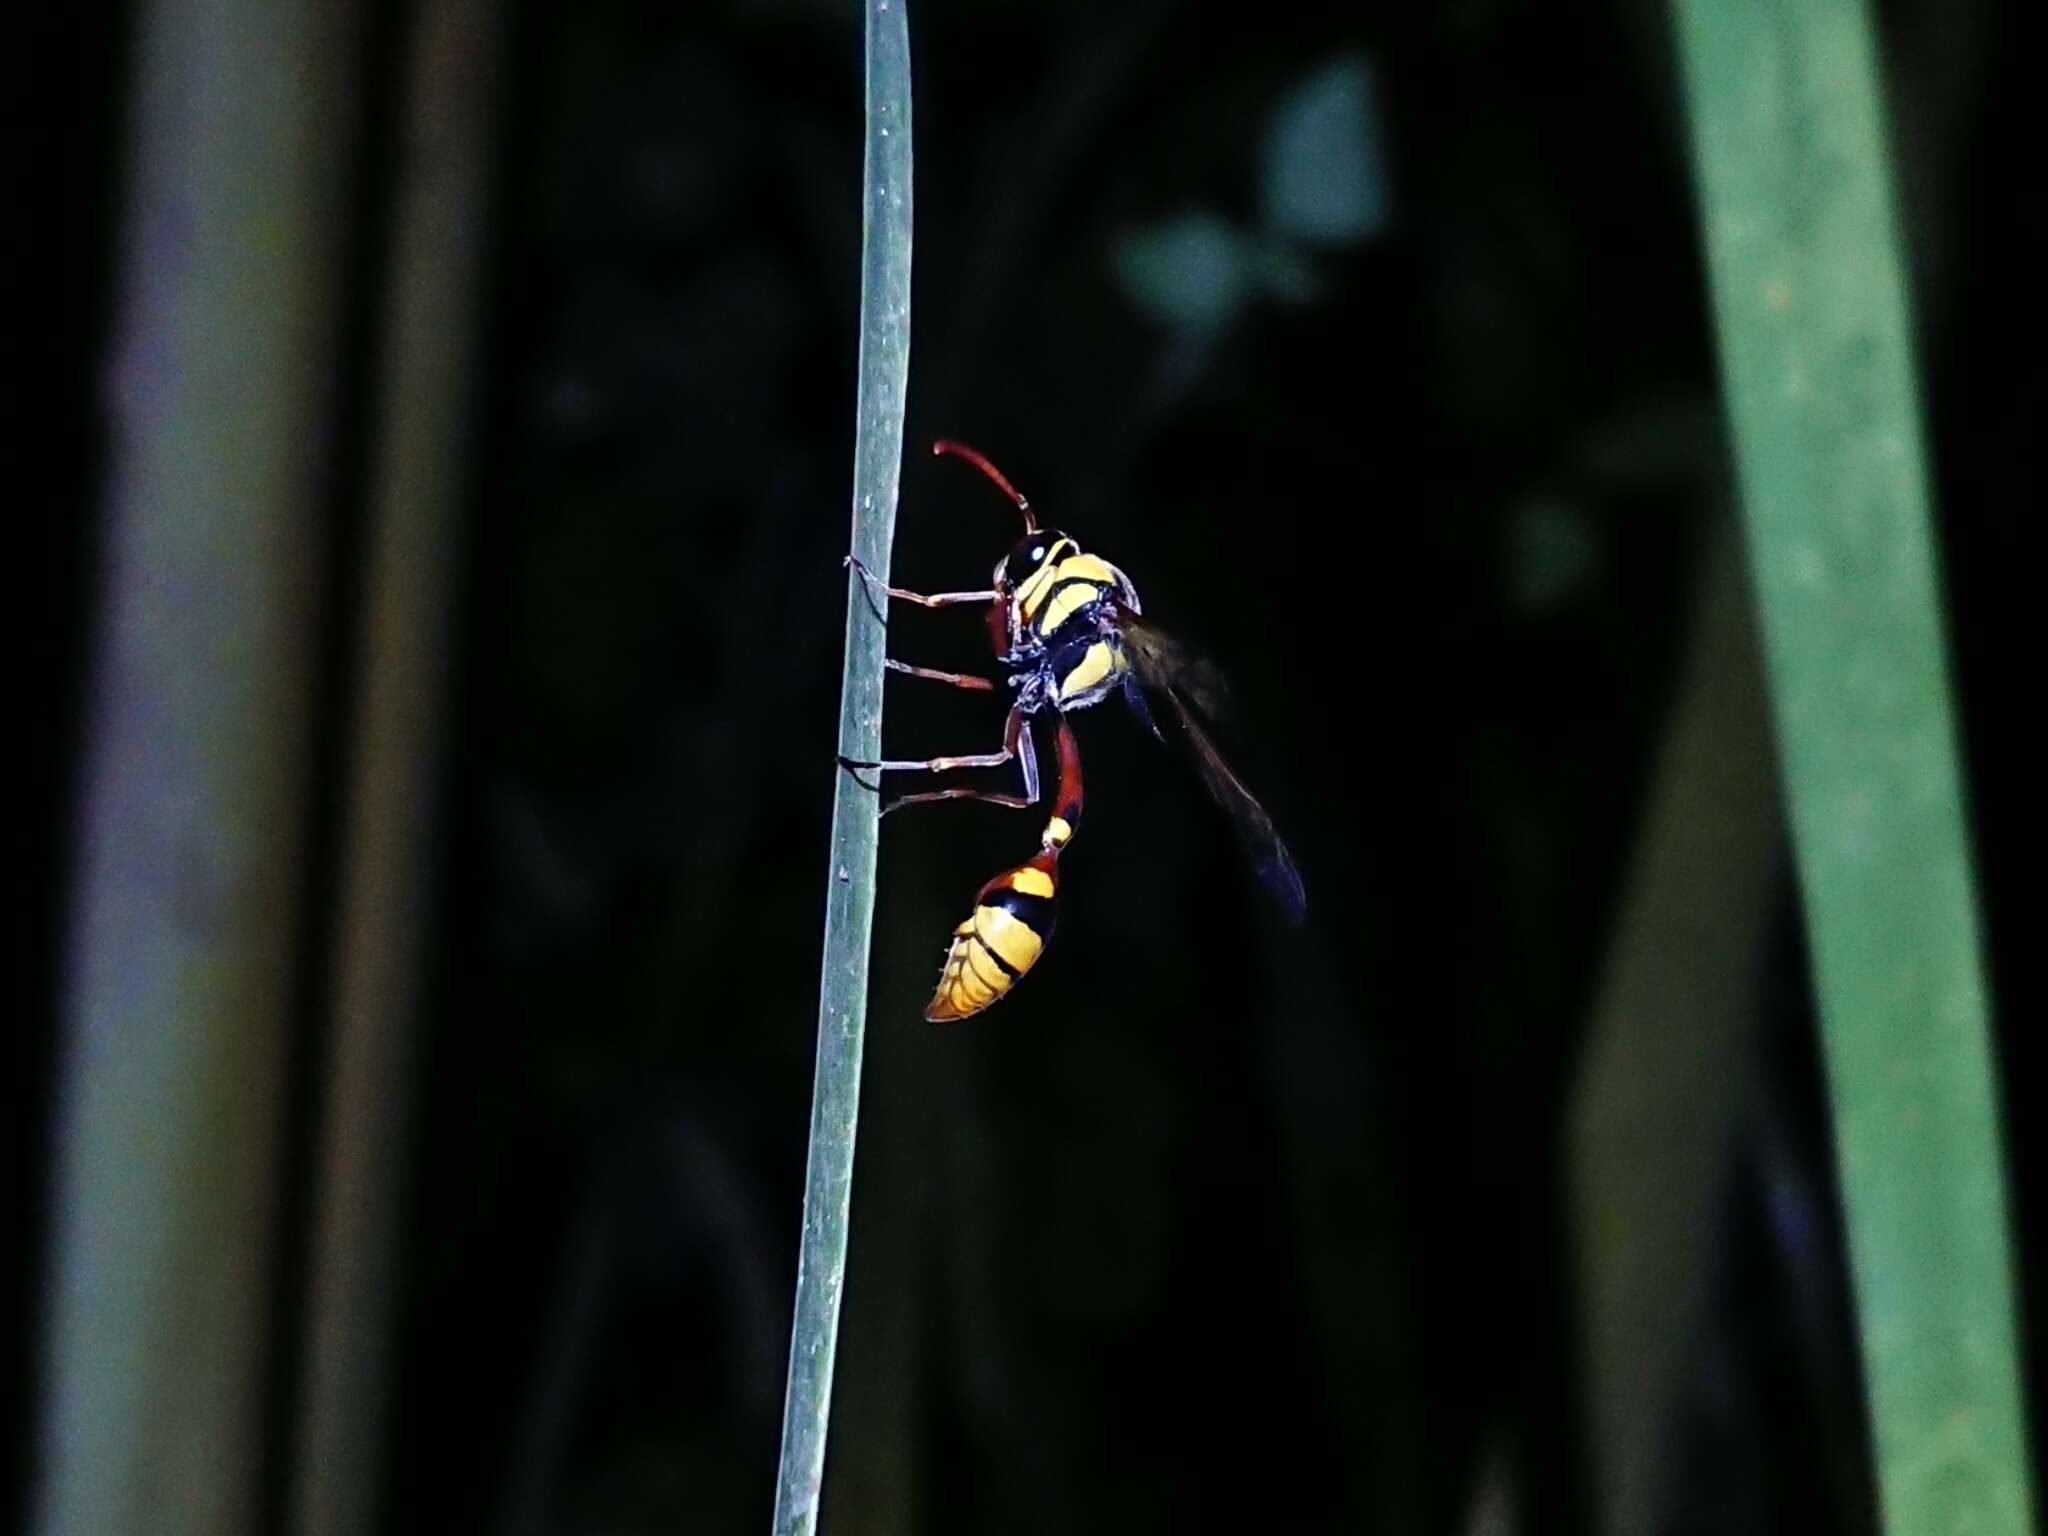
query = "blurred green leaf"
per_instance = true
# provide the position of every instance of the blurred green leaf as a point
(1809, 288)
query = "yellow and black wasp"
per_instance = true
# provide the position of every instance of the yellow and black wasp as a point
(1068, 628)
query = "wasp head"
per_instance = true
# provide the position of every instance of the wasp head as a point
(1030, 555)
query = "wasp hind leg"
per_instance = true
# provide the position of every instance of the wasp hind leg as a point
(1017, 747)
(1013, 802)
(1027, 760)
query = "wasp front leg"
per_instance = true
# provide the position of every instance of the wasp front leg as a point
(924, 599)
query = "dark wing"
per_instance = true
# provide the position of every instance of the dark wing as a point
(1163, 662)
(1169, 668)
(1255, 828)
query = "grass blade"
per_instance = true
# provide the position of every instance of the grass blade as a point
(850, 871)
(1816, 354)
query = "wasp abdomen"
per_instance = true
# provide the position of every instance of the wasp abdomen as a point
(1001, 939)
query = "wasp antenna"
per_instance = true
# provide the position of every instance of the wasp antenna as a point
(962, 451)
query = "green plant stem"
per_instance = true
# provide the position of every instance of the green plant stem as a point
(1804, 252)
(850, 867)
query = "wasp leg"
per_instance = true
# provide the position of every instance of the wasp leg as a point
(933, 764)
(1016, 734)
(957, 679)
(1016, 746)
(928, 600)
(1014, 802)
(1019, 743)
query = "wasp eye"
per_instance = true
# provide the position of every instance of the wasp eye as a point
(1032, 552)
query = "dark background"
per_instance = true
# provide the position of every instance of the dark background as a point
(1213, 1223)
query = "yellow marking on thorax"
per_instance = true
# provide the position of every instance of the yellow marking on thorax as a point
(1082, 579)
(1064, 605)
(1057, 831)
(1087, 568)
(1095, 665)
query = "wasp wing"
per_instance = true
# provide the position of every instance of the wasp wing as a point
(1163, 662)
(1255, 828)
(1180, 674)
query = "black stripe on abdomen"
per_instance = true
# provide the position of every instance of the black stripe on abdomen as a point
(1038, 913)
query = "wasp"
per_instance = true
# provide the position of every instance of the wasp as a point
(1069, 631)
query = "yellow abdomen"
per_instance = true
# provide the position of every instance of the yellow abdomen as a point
(1010, 926)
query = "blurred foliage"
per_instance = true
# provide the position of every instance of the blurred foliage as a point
(1822, 394)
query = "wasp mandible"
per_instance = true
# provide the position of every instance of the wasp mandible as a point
(1069, 631)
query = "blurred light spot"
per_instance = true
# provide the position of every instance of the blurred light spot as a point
(1194, 270)
(1325, 175)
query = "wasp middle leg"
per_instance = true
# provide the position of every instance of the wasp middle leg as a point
(956, 679)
